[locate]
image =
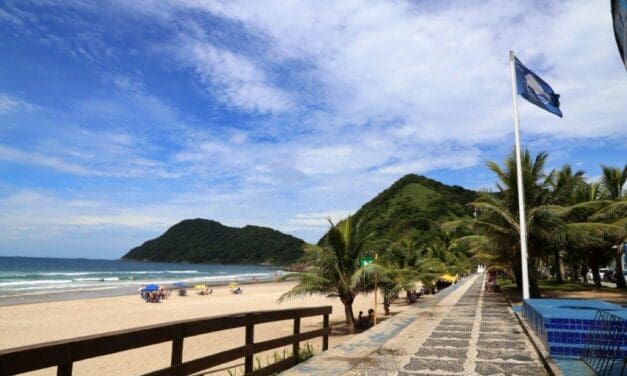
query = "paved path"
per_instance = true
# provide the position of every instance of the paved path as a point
(467, 332)
(479, 336)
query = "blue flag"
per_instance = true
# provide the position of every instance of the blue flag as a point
(535, 90)
(619, 13)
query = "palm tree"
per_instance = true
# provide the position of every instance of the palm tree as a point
(615, 213)
(454, 253)
(429, 270)
(587, 192)
(587, 232)
(563, 184)
(400, 258)
(389, 278)
(498, 215)
(334, 264)
(613, 180)
(549, 226)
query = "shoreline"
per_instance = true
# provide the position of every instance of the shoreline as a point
(111, 292)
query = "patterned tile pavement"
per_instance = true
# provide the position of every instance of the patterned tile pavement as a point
(461, 331)
(479, 336)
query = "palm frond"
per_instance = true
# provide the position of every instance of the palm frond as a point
(612, 211)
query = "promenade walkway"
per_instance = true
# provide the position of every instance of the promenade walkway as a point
(464, 332)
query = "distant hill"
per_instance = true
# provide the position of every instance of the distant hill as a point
(206, 241)
(413, 207)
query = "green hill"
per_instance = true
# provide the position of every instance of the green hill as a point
(206, 241)
(412, 207)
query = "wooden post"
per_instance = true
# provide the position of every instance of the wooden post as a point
(375, 299)
(376, 256)
(64, 369)
(325, 338)
(250, 338)
(296, 346)
(177, 351)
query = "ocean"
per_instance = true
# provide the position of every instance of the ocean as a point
(35, 279)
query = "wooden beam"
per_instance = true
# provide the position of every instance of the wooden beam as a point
(63, 353)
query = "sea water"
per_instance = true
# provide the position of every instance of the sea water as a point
(34, 279)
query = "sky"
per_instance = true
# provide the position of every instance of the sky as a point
(120, 118)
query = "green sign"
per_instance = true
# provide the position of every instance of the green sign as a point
(365, 261)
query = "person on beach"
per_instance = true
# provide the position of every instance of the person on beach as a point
(361, 321)
(206, 290)
(370, 320)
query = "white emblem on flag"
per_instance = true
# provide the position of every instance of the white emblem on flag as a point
(534, 86)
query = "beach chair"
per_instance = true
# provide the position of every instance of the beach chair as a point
(153, 297)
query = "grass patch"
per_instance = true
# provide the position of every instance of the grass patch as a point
(551, 284)
(505, 283)
(553, 289)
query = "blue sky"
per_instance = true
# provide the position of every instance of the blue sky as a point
(121, 118)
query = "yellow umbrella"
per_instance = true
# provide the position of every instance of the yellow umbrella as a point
(233, 285)
(448, 278)
(200, 287)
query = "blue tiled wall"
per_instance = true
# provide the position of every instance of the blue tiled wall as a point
(564, 324)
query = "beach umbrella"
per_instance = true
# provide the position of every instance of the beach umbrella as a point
(150, 288)
(200, 287)
(448, 278)
(233, 285)
(180, 285)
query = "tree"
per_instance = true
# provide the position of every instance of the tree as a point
(333, 265)
(613, 180)
(615, 213)
(498, 215)
(549, 226)
(587, 192)
(563, 183)
(390, 280)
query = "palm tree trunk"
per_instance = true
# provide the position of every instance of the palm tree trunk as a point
(534, 288)
(518, 276)
(573, 273)
(584, 273)
(620, 277)
(348, 311)
(596, 276)
(386, 305)
(558, 267)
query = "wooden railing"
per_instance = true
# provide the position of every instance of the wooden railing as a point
(62, 354)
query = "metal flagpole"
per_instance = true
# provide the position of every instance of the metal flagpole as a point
(519, 178)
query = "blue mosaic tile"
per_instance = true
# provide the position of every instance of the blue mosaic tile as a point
(564, 324)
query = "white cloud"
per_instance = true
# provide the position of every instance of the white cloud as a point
(25, 157)
(8, 104)
(450, 159)
(238, 81)
(317, 221)
(443, 71)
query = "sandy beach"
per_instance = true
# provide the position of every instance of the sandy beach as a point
(35, 323)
